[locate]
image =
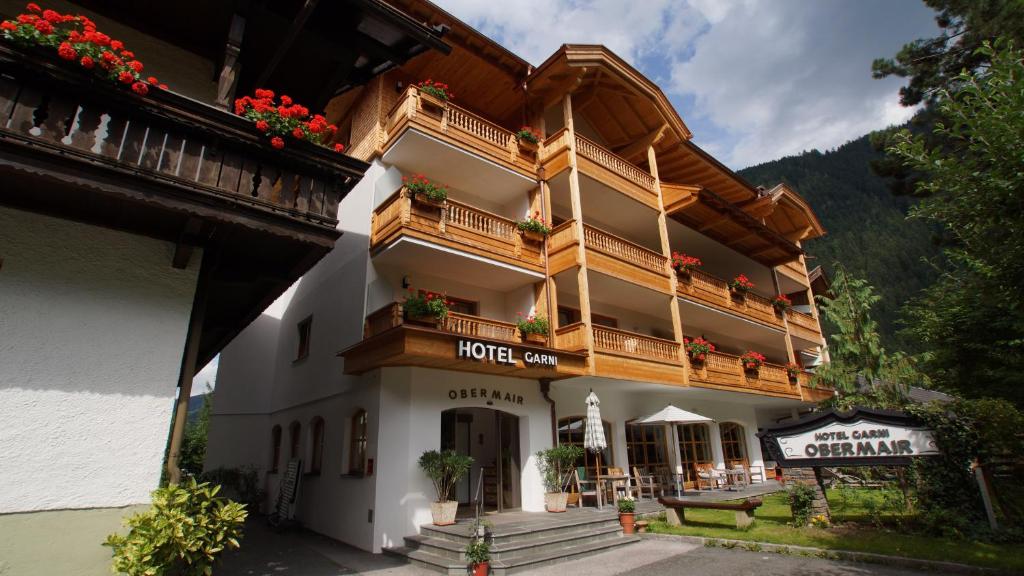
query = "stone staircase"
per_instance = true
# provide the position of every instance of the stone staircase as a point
(516, 546)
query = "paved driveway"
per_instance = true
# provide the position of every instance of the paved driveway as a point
(265, 553)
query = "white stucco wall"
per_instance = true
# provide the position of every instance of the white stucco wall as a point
(92, 330)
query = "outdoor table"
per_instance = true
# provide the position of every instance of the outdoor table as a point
(736, 477)
(602, 479)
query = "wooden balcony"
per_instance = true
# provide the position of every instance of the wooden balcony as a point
(724, 371)
(632, 356)
(458, 127)
(165, 140)
(804, 326)
(620, 258)
(571, 337)
(794, 270)
(454, 225)
(811, 393)
(601, 164)
(703, 288)
(388, 340)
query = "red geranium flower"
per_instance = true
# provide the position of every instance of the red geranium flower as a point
(126, 77)
(339, 147)
(33, 7)
(262, 125)
(87, 62)
(66, 51)
(277, 142)
(298, 133)
(140, 88)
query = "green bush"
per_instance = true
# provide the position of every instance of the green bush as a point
(556, 464)
(801, 498)
(240, 484)
(445, 469)
(182, 534)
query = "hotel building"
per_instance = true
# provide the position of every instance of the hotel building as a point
(334, 373)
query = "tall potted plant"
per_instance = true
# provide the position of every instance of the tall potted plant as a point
(556, 465)
(627, 514)
(444, 469)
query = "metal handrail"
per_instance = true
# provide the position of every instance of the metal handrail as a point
(478, 498)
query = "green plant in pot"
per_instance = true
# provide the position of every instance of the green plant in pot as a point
(556, 466)
(627, 514)
(478, 554)
(445, 469)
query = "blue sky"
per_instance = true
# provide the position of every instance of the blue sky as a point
(754, 80)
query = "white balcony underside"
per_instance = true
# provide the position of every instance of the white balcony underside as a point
(409, 256)
(677, 395)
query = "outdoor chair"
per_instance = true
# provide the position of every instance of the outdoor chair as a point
(620, 487)
(584, 486)
(754, 472)
(646, 482)
(706, 474)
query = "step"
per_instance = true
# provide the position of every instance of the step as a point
(429, 560)
(502, 534)
(515, 548)
(505, 567)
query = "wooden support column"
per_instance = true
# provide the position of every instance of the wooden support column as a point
(188, 369)
(666, 249)
(577, 214)
(785, 321)
(227, 80)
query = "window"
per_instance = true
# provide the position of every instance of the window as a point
(316, 458)
(734, 448)
(357, 444)
(571, 430)
(305, 333)
(646, 447)
(294, 439)
(275, 448)
(694, 448)
(461, 306)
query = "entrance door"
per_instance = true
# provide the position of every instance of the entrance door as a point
(508, 462)
(491, 438)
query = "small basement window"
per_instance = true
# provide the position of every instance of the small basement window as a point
(305, 333)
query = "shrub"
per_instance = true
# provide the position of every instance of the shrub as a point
(240, 484)
(556, 465)
(801, 500)
(184, 531)
(445, 469)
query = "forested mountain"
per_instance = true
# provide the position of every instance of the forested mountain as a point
(867, 227)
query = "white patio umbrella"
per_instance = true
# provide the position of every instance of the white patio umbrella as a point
(672, 416)
(593, 435)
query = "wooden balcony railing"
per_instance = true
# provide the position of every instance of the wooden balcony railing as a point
(562, 236)
(166, 139)
(624, 250)
(571, 337)
(617, 164)
(457, 225)
(723, 369)
(794, 270)
(626, 343)
(390, 316)
(803, 325)
(709, 289)
(459, 127)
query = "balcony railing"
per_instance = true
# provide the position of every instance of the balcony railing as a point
(164, 138)
(459, 127)
(390, 316)
(803, 325)
(571, 337)
(617, 164)
(723, 369)
(795, 270)
(626, 343)
(457, 225)
(624, 250)
(600, 163)
(702, 287)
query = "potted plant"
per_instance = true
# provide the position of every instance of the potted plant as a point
(556, 465)
(427, 308)
(793, 370)
(533, 328)
(781, 303)
(752, 361)
(740, 285)
(698, 349)
(280, 119)
(444, 469)
(528, 139)
(683, 264)
(422, 190)
(534, 227)
(627, 514)
(434, 96)
(478, 555)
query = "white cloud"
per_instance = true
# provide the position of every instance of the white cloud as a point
(208, 375)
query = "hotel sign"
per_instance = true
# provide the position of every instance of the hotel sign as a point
(502, 354)
(861, 437)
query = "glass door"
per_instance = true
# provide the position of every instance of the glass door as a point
(509, 469)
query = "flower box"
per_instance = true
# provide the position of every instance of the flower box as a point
(535, 338)
(422, 198)
(431, 103)
(528, 148)
(424, 320)
(533, 236)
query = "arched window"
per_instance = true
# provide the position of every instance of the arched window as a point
(734, 445)
(646, 447)
(572, 429)
(694, 449)
(357, 444)
(275, 447)
(316, 457)
(294, 440)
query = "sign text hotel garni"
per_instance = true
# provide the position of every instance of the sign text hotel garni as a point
(861, 437)
(501, 354)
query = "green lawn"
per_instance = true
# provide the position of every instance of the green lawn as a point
(852, 530)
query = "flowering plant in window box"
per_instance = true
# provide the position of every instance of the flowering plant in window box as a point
(533, 328)
(424, 191)
(429, 308)
(698, 349)
(683, 263)
(793, 370)
(534, 227)
(740, 285)
(283, 119)
(781, 303)
(528, 138)
(75, 39)
(752, 361)
(434, 95)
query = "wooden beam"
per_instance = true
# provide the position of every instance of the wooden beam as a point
(227, 80)
(643, 143)
(187, 240)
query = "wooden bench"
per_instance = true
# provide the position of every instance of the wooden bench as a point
(674, 509)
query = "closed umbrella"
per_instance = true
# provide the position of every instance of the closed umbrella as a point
(593, 436)
(672, 416)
